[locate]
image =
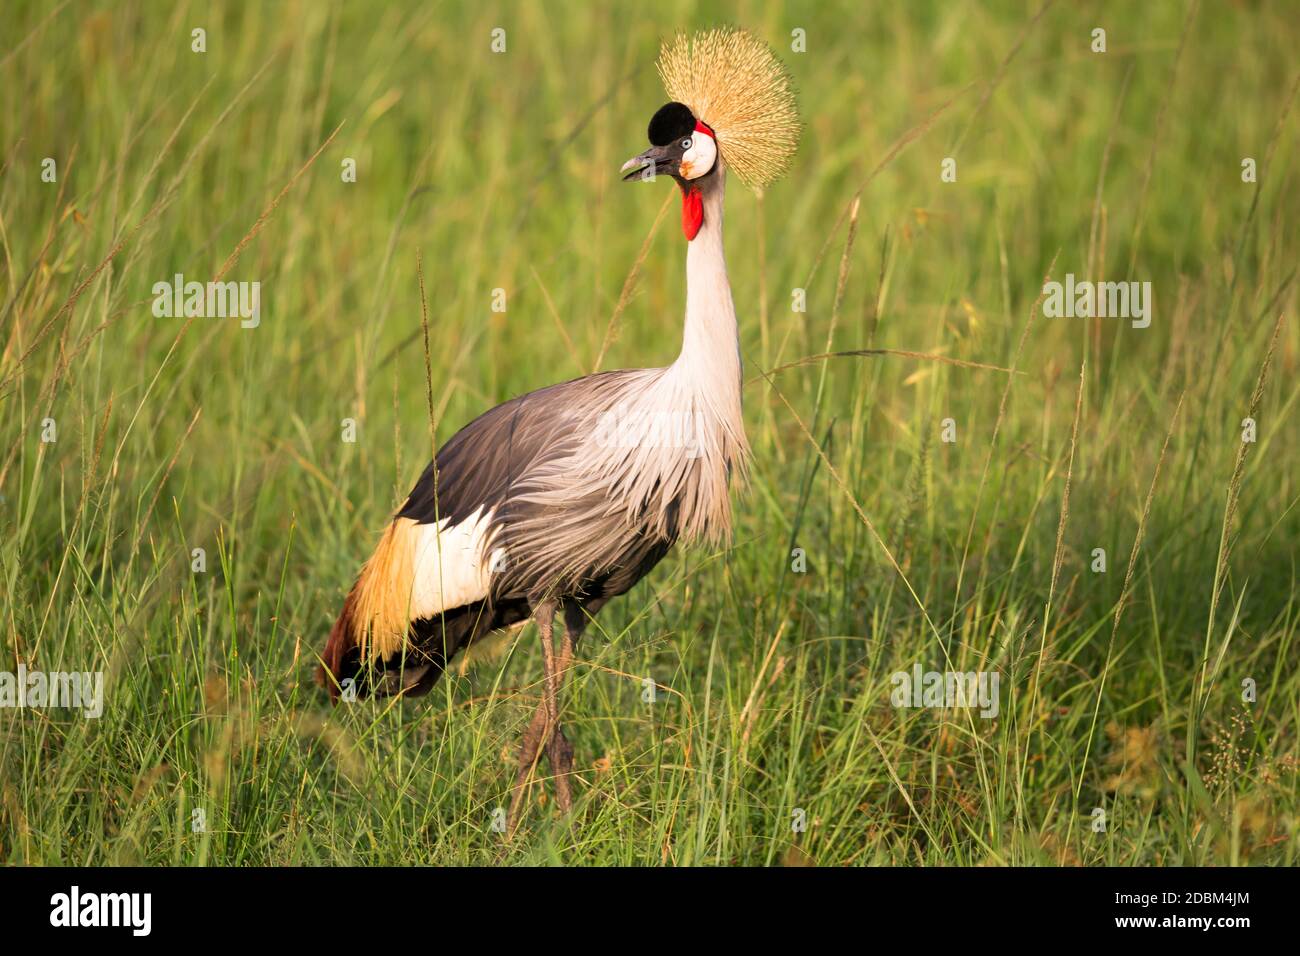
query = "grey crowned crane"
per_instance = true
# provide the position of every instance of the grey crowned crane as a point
(563, 498)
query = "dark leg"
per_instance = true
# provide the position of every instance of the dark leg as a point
(529, 751)
(559, 751)
(543, 722)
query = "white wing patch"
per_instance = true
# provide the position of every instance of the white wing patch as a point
(450, 566)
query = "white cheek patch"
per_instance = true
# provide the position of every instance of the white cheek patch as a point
(699, 159)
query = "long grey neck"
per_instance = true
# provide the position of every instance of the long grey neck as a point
(710, 341)
(707, 376)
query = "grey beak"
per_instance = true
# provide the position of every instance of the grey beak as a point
(648, 165)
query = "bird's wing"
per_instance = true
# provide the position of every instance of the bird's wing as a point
(477, 497)
(480, 467)
(518, 502)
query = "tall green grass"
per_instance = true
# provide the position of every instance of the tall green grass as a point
(1120, 690)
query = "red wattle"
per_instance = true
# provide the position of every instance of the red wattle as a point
(692, 212)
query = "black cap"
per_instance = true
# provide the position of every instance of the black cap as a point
(672, 121)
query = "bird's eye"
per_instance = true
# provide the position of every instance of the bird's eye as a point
(686, 144)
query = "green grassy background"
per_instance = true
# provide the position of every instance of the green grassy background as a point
(500, 170)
